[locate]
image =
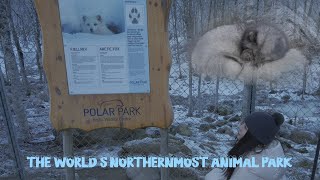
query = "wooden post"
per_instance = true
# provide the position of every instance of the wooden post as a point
(216, 98)
(11, 133)
(315, 163)
(68, 152)
(249, 98)
(164, 152)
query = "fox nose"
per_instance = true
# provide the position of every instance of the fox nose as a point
(91, 30)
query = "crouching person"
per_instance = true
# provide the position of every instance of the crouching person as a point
(256, 138)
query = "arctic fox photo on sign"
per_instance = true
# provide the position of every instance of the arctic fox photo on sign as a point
(95, 17)
(95, 25)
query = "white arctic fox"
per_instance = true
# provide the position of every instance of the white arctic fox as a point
(95, 25)
(218, 53)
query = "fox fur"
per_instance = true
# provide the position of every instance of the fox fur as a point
(221, 52)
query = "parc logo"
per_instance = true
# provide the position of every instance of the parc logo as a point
(111, 108)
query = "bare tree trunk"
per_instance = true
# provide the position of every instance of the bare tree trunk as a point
(305, 78)
(38, 51)
(305, 68)
(201, 9)
(305, 6)
(200, 103)
(189, 22)
(310, 8)
(37, 38)
(4, 79)
(305, 13)
(199, 86)
(216, 99)
(318, 25)
(210, 12)
(199, 33)
(257, 8)
(267, 5)
(175, 35)
(20, 53)
(13, 72)
(223, 12)
(190, 110)
(219, 10)
(308, 13)
(295, 17)
(215, 14)
(271, 86)
(235, 9)
(246, 9)
(318, 91)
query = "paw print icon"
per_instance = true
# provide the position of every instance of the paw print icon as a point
(134, 16)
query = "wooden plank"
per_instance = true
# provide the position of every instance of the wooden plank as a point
(68, 111)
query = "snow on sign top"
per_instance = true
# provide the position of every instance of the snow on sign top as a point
(106, 63)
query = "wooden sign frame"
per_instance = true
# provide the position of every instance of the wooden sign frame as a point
(89, 112)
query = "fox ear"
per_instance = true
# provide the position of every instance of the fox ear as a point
(84, 18)
(99, 18)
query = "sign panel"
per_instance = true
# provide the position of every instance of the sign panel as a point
(107, 63)
(106, 46)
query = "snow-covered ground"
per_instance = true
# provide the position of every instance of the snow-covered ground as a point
(207, 134)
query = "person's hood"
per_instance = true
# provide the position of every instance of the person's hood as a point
(273, 150)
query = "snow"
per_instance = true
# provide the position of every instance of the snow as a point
(43, 139)
(180, 86)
